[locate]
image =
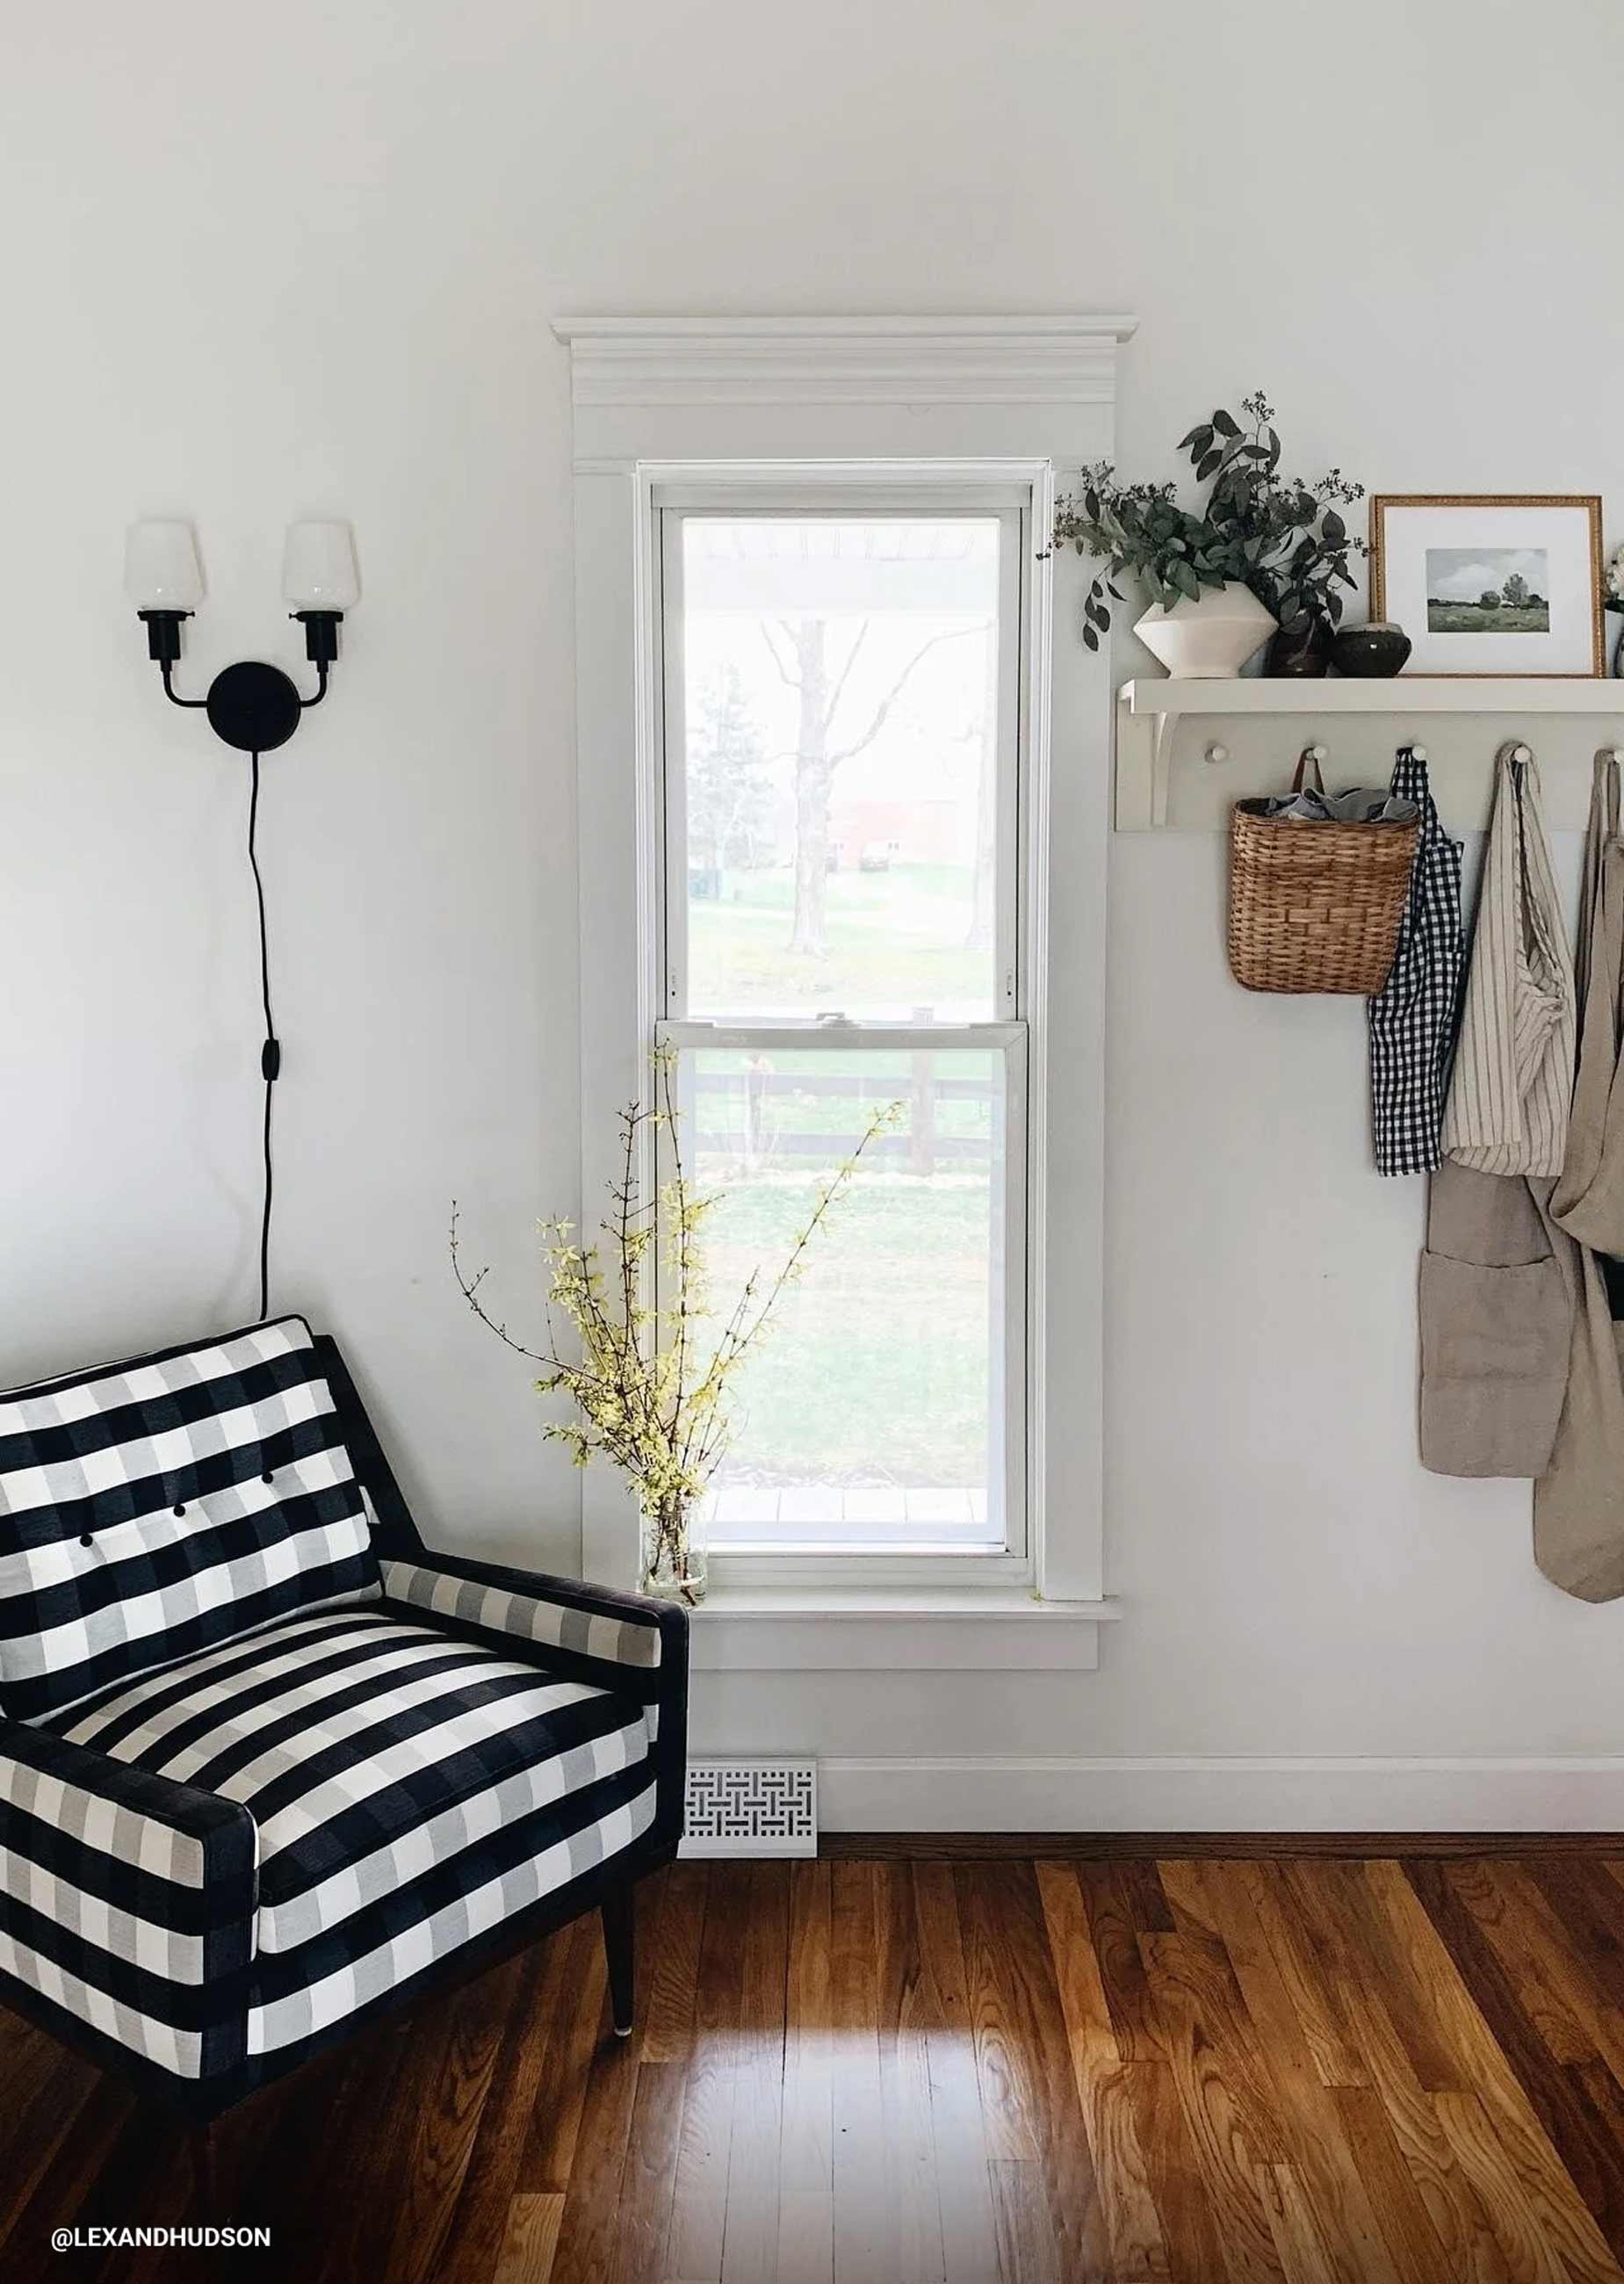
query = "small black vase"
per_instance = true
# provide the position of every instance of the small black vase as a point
(1304, 647)
(1370, 651)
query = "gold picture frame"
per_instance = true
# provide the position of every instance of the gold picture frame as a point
(1487, 635)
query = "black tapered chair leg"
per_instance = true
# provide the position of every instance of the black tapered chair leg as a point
(618, 1914)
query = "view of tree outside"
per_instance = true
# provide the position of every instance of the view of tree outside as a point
(840, 712)
(841, 683)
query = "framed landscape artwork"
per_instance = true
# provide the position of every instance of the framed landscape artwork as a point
(1491, 585)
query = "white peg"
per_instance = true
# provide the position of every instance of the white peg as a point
(1217, 754)
(1314, 753)
(1522, 753)
(1417, 753)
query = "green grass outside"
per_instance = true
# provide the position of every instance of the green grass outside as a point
(876, 1371)
(876, 1368)
(894, 938)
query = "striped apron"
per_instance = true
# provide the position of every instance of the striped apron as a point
(1412, 1017)
(1513, 1081)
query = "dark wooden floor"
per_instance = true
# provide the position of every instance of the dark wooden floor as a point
(1220, 2071)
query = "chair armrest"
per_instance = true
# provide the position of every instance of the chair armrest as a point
(127, 1905)
(630, 1643)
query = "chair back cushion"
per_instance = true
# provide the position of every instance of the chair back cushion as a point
(151, 1509)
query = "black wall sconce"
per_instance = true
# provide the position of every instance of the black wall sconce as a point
(254, 707)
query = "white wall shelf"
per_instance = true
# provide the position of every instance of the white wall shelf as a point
(1291, 713)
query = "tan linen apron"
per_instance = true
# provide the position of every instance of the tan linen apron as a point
(1579, 1501)
(1589, 1200)
(1497, 1308)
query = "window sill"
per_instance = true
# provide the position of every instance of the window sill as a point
(893, 1630)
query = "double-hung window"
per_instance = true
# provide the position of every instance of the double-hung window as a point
(838, 847)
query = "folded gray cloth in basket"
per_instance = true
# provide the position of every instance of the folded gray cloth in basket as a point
(1360, 805)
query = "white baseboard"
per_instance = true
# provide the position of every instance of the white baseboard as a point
(1556, 1794)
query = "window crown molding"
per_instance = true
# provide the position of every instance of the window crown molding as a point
(913, 360)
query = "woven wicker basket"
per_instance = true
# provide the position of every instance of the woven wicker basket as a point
(1315, 907)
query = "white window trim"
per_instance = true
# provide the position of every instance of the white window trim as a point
(990, 401)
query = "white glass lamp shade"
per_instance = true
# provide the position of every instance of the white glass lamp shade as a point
(161, 567)
(318, 567)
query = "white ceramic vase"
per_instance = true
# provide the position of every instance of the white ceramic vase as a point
(1215, 635)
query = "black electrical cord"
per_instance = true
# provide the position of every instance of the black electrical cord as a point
(271, 1053)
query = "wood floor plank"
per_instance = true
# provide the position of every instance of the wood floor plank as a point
(1123, 1901)
(648, 2178)
(866, 2236)
(1387, 1960)
(1009, 2100)
(806, 2159)
(668, 1969)
(671, 1913)
(750, 2241)
(1414, 2244)
(1027, 2253)
(1133, 2227)
(1567, 2159)
(905, 2081)
(570, 2011)
(1014, 1940)
(531, 2240)
(1516, 1926)
(448, 2125)
(1304, 1968)
(1187, 1997)
(39, 2105)
(1303, 2253)
(1581, 1914)
(958, 2128)
(590, 2228)
(394, 2071)
(1191, 2223)
(480, 2230)
(1529, 2256)
(1322, 2172)
(700, 2197)
(1452, 2207)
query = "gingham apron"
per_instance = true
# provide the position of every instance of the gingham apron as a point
(1412, 1018)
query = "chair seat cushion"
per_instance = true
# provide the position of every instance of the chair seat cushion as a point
(156, 1507)
(411, 1789)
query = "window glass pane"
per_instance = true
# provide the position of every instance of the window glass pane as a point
(871, 1414)
(840, 710)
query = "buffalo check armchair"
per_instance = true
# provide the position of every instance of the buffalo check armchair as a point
(268, 1766)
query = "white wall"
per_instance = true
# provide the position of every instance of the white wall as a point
(304, 261)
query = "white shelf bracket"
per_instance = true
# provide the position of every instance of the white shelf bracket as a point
(1161, 765)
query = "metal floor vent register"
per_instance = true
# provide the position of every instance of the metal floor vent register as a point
(752, 1808)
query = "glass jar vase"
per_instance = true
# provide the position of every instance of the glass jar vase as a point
(674, 1548)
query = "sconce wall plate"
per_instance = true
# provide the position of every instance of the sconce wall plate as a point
(255, 708)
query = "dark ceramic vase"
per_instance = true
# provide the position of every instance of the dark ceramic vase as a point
(1304, 648)
(1374, 650)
